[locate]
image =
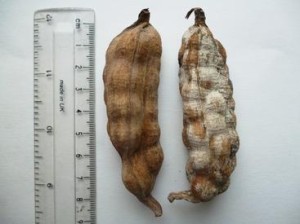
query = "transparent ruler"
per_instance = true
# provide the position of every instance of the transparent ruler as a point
(64, 116)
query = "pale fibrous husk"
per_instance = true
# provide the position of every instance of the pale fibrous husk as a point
(209, 132)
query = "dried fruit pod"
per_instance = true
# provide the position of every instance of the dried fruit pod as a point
(131, 79)
(209, 120)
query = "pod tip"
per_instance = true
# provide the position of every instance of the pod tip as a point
(199, 15)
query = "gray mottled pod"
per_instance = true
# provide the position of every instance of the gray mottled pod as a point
(209, 121)
(131, 79)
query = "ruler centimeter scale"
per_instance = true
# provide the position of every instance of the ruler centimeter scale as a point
(64, 116)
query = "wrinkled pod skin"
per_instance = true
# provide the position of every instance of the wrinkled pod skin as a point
(131, 79)
(209, 120)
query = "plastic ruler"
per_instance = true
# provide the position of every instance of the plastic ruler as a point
(64, 116)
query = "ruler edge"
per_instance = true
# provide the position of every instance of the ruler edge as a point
(71, 9)
(64, 9)
(94, 189)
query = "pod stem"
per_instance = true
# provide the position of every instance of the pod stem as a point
(144, 17)
(199, 16)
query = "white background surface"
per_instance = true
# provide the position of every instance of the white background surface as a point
(262, 42)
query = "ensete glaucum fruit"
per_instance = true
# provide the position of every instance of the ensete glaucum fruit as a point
(131, 79)
(209, 131)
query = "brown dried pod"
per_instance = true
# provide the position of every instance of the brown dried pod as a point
(209, 121)
(131, 79)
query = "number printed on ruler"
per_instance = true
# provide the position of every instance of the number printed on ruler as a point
(64, 116)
